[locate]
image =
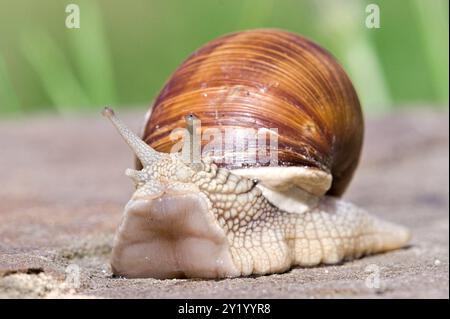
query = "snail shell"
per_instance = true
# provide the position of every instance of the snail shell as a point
(268, 79)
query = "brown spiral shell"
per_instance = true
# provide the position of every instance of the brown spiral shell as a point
(267, 79)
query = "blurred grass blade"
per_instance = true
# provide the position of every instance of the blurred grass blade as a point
(433, 25)
(340, 21)
(54, 70)
(92, 55)
(9, 103)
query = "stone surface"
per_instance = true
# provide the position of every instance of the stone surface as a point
(63, 189)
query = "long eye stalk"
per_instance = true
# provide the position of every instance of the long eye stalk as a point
(144, 152)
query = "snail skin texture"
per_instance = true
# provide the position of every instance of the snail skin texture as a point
(216, 219)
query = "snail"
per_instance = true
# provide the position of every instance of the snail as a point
(224, 214)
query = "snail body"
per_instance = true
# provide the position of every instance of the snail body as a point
(213, 218)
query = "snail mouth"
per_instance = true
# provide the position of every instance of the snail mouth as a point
(172, 236)
(172, 212)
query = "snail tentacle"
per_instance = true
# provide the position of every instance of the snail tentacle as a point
(146, 154)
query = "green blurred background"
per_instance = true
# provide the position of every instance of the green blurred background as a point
(125, 50)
